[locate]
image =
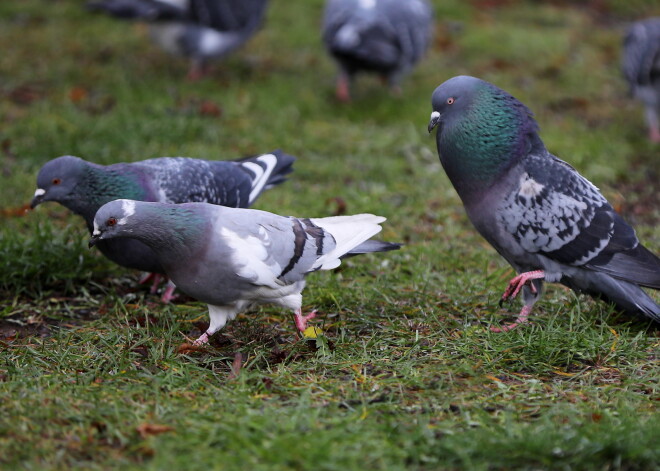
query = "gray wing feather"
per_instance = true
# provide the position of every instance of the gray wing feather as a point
(556, 212)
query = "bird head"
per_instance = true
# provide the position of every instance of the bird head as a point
(112, 220)
(452, 99)
(58, 179)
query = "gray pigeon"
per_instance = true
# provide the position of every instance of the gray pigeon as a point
(197, 29)
(550, 223)
(84, 187)
(234, 258)
(383, 36)
(641, 67)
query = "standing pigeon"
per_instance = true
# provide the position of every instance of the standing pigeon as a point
(84, 187)
(198, 29)
(234, 258)
(543, 217)
(641, 67)
(383, 36)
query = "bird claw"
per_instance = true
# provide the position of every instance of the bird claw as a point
(201, 340)
(301, 321)
(517, 283)
(522, 318)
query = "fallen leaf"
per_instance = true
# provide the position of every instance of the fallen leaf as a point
(236, 365)
(77, 94)
(15, 212)
(152, 429)
(189, 347)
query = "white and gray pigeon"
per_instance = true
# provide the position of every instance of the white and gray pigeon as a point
(198, 29)
(387, 37)
(83, 187)
(233, 258)
(550, 223)
(641, 67)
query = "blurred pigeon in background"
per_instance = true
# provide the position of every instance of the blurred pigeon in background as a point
(641, 67)
(538, 212)
(198, 29)
(234, 258)
(83, 187)
(383, 36)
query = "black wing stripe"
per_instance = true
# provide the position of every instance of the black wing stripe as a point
(298, 246)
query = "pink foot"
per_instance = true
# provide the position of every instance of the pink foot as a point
(301, 321)
(201, 340)
(654, 134)
(516, 284)
(168, 294)
(342, 92)
(522, 319)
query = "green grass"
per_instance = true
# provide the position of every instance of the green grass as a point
(407, 375)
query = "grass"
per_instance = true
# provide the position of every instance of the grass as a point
(406, 375)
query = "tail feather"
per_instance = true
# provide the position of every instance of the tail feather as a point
(627, 296)
(268, 170)
(638, 265)
(147, 10)
(349, 232)
(371, 246)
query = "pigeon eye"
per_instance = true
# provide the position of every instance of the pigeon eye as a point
(451, 100)
(56, 181)
(111, 222)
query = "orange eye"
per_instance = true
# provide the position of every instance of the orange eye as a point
(450, 100)
(111, 222)
(56, 181)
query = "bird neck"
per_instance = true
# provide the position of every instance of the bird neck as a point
(173, 232)
(478, 150)
(98, 185)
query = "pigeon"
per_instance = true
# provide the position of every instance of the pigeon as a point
(197, 29)
(232, 258)
(550, 223)
(383, 36)
(83, 187)
(641, 67)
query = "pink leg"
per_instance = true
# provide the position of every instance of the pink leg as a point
(522, 319)
(301, 321)
(342, 91)
(168, 294)
(654, 134)
(197, 71)
(201, 340)
(516, 284)
(156, 277)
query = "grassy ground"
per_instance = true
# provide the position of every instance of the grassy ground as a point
(407, 375)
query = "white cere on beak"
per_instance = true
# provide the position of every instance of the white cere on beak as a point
(39, 192)
(435, 115)
(96, 230)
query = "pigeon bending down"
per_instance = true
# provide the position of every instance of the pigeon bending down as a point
(641, 67)
(198, 29)
(383, 36)
(83, 187)
(550, 223)
(234, 258)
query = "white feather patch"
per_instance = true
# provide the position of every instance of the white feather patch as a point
(128, 209)
(249, 256)
(261, 174)
(528, 186)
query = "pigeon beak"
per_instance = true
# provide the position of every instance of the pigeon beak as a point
(435, 119)
(38, 198)
(96, 236)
